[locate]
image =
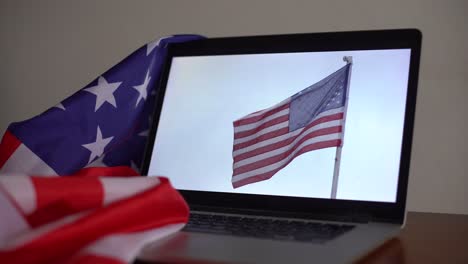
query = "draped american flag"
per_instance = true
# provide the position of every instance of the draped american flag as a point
(85, 219)
(268, 140)
(100, 130)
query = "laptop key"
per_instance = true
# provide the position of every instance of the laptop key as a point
(265, 228)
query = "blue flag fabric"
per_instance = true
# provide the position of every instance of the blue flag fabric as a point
(329, 93)
(104, 124)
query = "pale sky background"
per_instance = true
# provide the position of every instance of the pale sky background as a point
(205, 94)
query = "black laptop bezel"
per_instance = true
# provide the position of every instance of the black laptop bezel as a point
(333, 209)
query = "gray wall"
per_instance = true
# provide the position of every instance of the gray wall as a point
(49, 49)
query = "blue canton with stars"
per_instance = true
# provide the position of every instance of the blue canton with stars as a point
(104, 124)
(329, 93)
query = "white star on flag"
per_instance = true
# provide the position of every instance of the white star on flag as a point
(142, 89)
(98, 162)
(104, 92)
(60, 106)
(97, 147)
(153, 44)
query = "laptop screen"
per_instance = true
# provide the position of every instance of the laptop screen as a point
(306, 124)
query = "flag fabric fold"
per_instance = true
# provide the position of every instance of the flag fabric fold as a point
(100, 130)
(268, 140)
(85, 219)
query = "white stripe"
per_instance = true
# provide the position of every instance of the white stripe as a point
(12, 222)
(330, 112)
(261, 132)
(277, 151)
(284, 124)
(286, 136)
(265, 110)
(251, 126)
(280, 163)
(121, 188)
(27, 237)
(21, 189)
(23, 160)
(125, 247)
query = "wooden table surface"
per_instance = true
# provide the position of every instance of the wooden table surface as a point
(435, 238)
(426, 238)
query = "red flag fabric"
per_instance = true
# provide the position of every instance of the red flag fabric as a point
(85, 219)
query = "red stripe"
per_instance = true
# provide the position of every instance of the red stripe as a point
(157, 207)
(269, 174)
(58, 197)
(283, 131)
(284, 155)
(272, 134)
(62, 196)
(283, 143)
(274, 121)
(325, 119)
(249, 120)
(121, 171)
(256, 178)
(7, 147)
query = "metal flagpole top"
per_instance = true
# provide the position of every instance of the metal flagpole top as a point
(348, 59)
(336, 171)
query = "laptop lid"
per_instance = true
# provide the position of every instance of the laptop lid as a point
(310, 125)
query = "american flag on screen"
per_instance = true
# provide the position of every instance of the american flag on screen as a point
(268, 140)
(100, 130)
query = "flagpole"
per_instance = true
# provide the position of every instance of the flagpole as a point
(336, 172)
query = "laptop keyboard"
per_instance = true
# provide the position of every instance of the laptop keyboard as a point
(277, 229)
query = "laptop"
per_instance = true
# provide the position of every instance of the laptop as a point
(287, 148)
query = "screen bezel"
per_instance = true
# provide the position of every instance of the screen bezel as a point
(311, 42)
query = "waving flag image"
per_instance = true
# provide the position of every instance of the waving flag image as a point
(268, 140)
